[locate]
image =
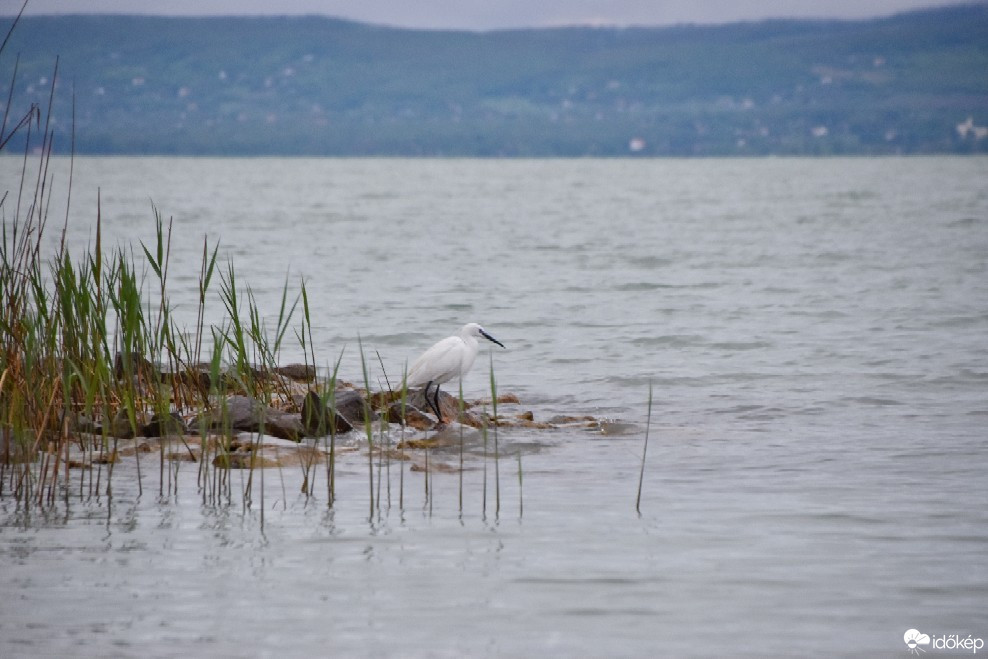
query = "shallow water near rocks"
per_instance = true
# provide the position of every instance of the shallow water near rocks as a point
(813, 330)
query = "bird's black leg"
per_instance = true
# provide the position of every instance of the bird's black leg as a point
(435, 408)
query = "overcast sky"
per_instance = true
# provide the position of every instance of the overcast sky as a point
(493, 14)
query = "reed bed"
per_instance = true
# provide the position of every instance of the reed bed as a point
(90, 352)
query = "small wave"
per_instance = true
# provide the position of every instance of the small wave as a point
(833, 257)
(655, 286)
(670, 341)
(570, 360)
(966, 222)
(695, 341)
(825, 314)
(649, 261)
(640, 382)
(809, 410)
(736, 346)
(458, 306)
(681, 381)
(738, 409)
(871, 400)
(858, 195)
(961, 321)
(753, 412)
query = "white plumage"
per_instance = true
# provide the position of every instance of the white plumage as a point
(448, 359)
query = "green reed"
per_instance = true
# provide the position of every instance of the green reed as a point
(404, 399)
(330, 398)
(368, 425)
(641, 475)
(521, 497)
(82, 339)
(92, 341)
(483, 432)
(497, 456)
(462, 408)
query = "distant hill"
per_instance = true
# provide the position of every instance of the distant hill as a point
(319, 86)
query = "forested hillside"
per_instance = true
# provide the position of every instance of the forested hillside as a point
(245, 86)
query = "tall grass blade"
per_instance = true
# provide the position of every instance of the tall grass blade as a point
(497, 456)
(461, 407)
(404, 399)
(641, 475)
(368, 429)
(521, 497)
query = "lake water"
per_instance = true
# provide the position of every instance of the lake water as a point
(815, 332)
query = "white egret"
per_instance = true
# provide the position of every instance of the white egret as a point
(450, 358)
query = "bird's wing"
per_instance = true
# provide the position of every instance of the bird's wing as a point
(438, 364)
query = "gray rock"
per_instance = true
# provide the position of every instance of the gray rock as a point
(198, 378)
(245, 414)
(299, 372)
(121, 427)
(413, 417)
(316, 415)
(449, 405)
(352, 406)
(82, 423)
(137, 364)
(286, 425)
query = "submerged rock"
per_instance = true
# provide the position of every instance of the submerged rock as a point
(80, 422)
(242, 461)
(138, 447)
(122, 428)
(161, 426)
(566, 420)
(265, 454)
(105, 458)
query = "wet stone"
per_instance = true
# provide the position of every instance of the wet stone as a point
(246, 414)
(299, 372)
(413, 417)
(449, 406)
(316, 417)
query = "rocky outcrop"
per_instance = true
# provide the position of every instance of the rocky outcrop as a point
(449, 405)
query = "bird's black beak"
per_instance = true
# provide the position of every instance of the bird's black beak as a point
(491, 338)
